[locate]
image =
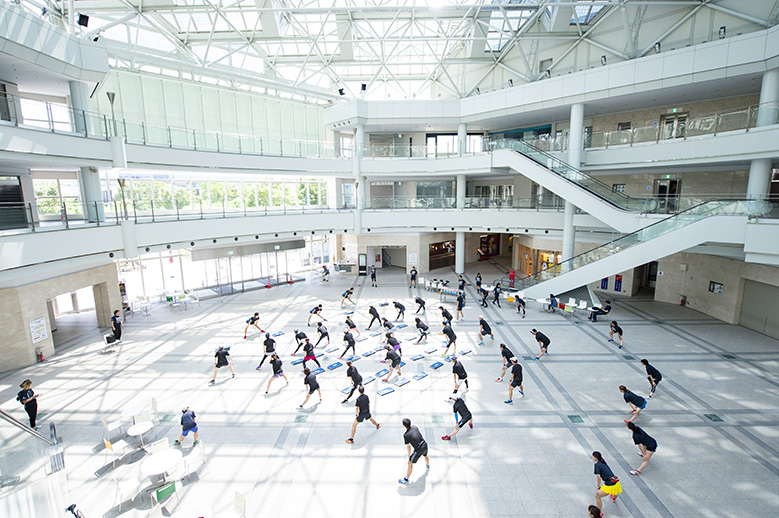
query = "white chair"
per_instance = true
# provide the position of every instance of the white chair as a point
(582, 305)
(112, 427)
(194, 298)
(164, 493)
(239, 509)
(154, 415)
(117, 448)
(571, 302)
(156, 512)
(156, 446)
(142, 418)
(196, 458)
(127, 489)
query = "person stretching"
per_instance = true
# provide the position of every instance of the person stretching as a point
(451, 337)
(351, 326)
(543, 343)
(445, 314)
(349, 340)
(316, 310)
(308, 354)
(347, 295)
(520, 305)
(460, 376)
(312, 384)
(362, 410)
(352, 374)
(614, 328)
(516, 380)
(653, 375)
(374, 313)
(420, 304)
(413, 438)
(252, 322)
(394, 358)
(645, 443)
(636, 402)
(401, 310)
(300, 338)
(423, 329)
(270, 348)
(484, 294)
(465, 417)
(323, 334)
(484, 330)
(275, 362)
(505, 355)
(608, 484)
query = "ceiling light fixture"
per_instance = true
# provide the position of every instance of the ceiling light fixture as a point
(657, 48)
(603, 60)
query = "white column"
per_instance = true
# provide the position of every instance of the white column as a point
(460, 191)
(575, 142)
(462, 138)
(91, 194)
(459, 253)
(359, 150)
(760, 169)
(79, 102)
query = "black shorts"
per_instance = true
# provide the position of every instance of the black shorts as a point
(395, 363)
(417, 454)
(464, 420)
(220, 365)
(461, 378)
(363, 417)
(312, 390)
(545, 347)
(516, 382)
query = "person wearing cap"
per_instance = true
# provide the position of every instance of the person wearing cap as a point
(465, 417)
(29, 399)
(220, 360)
(516, 380)
(270, 348)
(349, 340)
(394, 358)
(188, 424)
(460, 376)
(543, 342)
(484, 330)
(505, 355)
(252, 321)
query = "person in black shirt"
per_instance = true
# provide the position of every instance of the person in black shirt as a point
(373, 277)
(608, 484)
(401, 310)
(516, 380)
(413, 439)
(420, 304)
(252, 322)
(300, 338)
(478, 280)
(394, 343)
(449, 332)
(351, 326)
(315, 311)
(220, 360)
(520, 305)
(188, 425)
(614, 328)
(461, 283)
(484, 330)
(543, 343)
(460, 305)
(645, 443)
(308, 354)
(496, 293)
(446, 315)
(352, 374)
(374, 316)
(275, 362)
(347, 295)
(458, 371)
(423, 330)
(605, 310)
(116, 326)
(484, 294)
(29, 399)
(312, 384)
(322, 330)
(362, 409)
(636, 402)
(413, 275)
(394, 358)
(349, 340)
(389, 329)
(505, 355)
(653, 375)
(270, 348)
(465, 417)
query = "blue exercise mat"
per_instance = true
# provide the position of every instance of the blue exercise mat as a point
(377, 333)
(431, 350)
(361, 339)
(320, 370)
(465, 351)
(402, 364)
(379, 348)
(354, 358)
(411, 338)
(386, 390)
(334, 366)
(318, 355)
(278, 334)
(348, 312)
(331, 349)
(347, 389)
(367, 380)
(402, 381)
(297, 361)
(417, 357)
(382, 372)
(401, 326)
(384, 304)
(369, 353)
(420, 375)
(436, 365)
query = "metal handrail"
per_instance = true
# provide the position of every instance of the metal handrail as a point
(26, 429)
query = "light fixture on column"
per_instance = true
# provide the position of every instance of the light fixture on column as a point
(111, 99)
(603, 60)
(478, 92)
(83, 19)
(657, 48)
(511, 82)
(548, 73)
(722, 31)
(341, 91)
(363, 87)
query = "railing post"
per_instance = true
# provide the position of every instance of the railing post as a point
(170, 138)
(716, 123)
(124, 128)
(65, 214)
(217, 142)
(32, 217)
(116, 212)
(201, 209)
(175, 203)
(50, 116)
(105, 126)
(97, 214)
(135, 212)
(143, 132)
(152, 211)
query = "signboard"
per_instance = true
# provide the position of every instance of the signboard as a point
(38, 330)
(617, 283)
(412, 259)
(604, 283)
(362, 264)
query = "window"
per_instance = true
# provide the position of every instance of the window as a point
(585, 12)
(618, 187)
(624, 126)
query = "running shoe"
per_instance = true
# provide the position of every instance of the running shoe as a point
(350, 441)
(635, 472)
(613, 498)
(509, 401)
(520, 392)
(536, 358)
(626, 421)
(378, 425)
(470, 424)
(244, 337)
(610, 340)
(195, 443)
(640, 454)
(403, 481)
(446, 438)
(499, 380)
(620, 347)
(481, 343)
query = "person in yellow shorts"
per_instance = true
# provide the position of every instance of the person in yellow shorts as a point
(608, 484)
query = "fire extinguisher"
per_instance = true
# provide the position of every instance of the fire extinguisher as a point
(39, 353)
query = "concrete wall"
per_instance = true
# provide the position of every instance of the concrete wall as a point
(701, 269)
(21, 305)
(722, 182)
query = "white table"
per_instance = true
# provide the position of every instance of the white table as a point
(161, 462)
(132, 410)
(138, 429)
(193, 511)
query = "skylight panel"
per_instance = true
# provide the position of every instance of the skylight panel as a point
(585, 13)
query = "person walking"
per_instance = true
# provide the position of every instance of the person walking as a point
(520, 304)
(116, 326)
(496, 291)
(423, 329)
(451, 338)
(252, 321)
(188, 425)
(608, 484)
(505, 355)
(484, 294)
(614, 328)
(653, 375)
(605, 310)
(347, 295)
(313, 386)
(465, 417)
(636, 402)
(362, 410)
(351, 326)
(484, 330)
(394, 360)
(29, 400)
(276, 363)
(220, 360)
(354, 375)
(323, 334)
(373, 277)
(420, 304)
(460, 376)
(374, 313)
(446, 315)
(645, 443)
(543, 343)
(349, 341)
(315, 311)
(413, 275)
(401, 310)
(308, 354)
(414, 440)
(301, 339)
(516, 380)
(270, 348)
(460, 305)
(461, 284)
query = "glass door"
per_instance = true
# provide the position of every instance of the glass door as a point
(674, 126)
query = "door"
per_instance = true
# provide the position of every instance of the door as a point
(674, 126)
(758, 308)
(668, 191)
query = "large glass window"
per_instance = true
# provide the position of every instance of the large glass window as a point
(47, 196)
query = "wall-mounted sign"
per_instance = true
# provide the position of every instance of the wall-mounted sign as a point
(715, 288)
(617, 283)
(412, 259)
(38, 330)
(604, 283)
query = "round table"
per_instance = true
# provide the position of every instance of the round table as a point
(132, 410)
(161, 462)
(193, 511)
(138, 429)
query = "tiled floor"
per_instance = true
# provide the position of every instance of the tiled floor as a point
(529, 459)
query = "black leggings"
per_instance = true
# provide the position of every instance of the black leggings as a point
(118, 332)
(263, 358)
(348, 346)
(32, 410)
(422, 334)
(315, 361)
(351, 392)
(400, 314)
(373, 320)
(300, 344)
(322, 337)
(420, 308)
